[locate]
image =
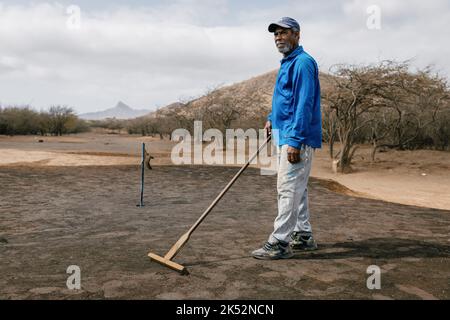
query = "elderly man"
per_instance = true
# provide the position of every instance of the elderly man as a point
(297, 131)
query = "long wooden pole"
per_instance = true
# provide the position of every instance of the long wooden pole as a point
(184, 238)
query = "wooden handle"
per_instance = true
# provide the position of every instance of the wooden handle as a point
(185, 237)
(228, 186)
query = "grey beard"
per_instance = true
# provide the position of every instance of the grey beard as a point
(285, 49)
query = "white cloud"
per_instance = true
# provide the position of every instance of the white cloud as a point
(132, 55)
(148, 56)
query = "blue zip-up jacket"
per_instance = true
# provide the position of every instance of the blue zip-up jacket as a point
(296, 102)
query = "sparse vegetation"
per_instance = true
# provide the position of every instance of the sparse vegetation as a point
(22, 120)
(385, 105)
(113, 125)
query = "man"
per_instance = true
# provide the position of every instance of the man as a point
(297, 131)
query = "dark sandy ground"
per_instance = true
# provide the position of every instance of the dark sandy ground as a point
(53, 217)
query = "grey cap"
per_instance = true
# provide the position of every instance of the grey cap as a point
(285, 22)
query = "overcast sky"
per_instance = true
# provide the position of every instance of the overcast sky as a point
(151, 53)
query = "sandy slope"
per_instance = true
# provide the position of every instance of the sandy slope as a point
(420, 178)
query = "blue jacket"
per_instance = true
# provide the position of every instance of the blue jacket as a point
(296, 102)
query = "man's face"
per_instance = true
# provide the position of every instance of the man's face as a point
(286, 39)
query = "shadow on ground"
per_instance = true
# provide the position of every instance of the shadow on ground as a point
(388, 248)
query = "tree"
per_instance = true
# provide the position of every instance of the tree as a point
(61, 118)
(411, 105)
(351, 97)
(386, 105)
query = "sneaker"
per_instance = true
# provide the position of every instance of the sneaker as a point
(273, 251)
(303, 242)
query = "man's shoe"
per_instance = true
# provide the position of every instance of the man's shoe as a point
(273, 251)
(302, 242)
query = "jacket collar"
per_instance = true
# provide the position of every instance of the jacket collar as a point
(293, 54)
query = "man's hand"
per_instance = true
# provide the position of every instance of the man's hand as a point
(268, 128)
(293, 155)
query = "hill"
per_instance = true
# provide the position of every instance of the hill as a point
(120, 111)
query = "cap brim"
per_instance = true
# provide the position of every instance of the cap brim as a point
(274, 26)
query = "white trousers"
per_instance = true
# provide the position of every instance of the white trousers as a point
(292, 187)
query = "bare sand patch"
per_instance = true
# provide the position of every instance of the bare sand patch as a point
(420, 178)
(42, 158)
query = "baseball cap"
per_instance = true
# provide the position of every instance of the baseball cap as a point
(284, 22)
